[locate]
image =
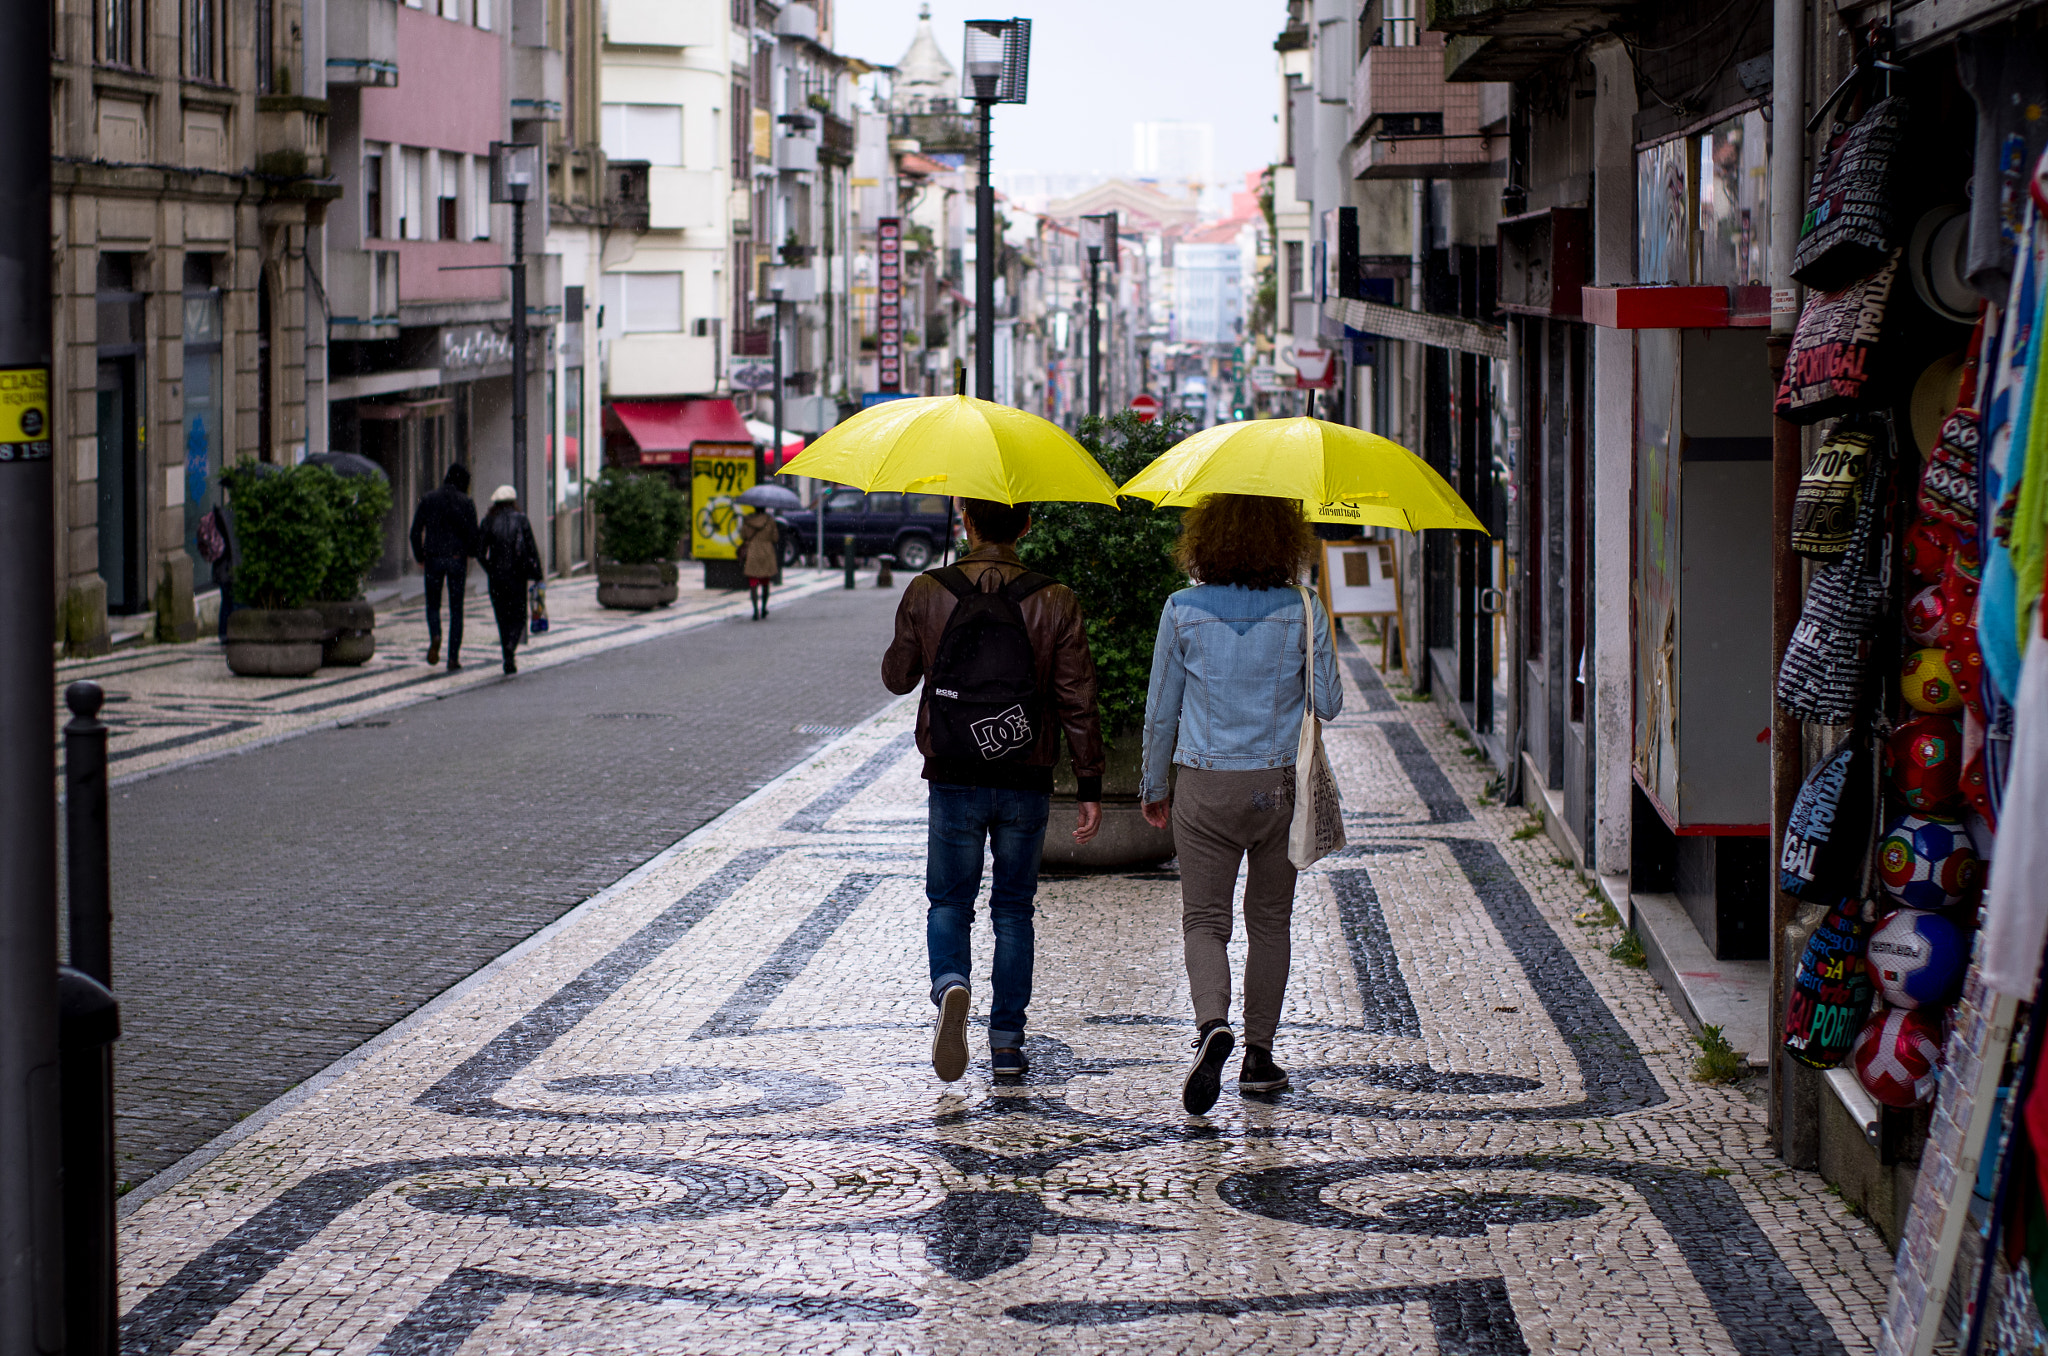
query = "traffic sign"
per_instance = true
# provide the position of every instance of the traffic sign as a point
(1146, 406)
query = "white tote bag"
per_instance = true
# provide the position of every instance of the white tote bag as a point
(1318, 827)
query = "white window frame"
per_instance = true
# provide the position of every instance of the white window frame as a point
(412, 207)
(642, 132)
(634, 303)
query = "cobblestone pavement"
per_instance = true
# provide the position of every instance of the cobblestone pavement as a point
(169, 705)
(697, 1115)
(275, 909)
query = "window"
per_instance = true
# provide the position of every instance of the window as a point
(483, 14)
(412, 206)
(452, 9)
(118, 21)
(887, 505)
(649, 132)
(644, 303)
(844, 501)
(373, 194)
(202, 40)
(1297, 276)
(448, 221)
(480, 197)
(740, 118)
(925, 505)
(266, 54)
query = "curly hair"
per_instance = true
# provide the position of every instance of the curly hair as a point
(1251, 540)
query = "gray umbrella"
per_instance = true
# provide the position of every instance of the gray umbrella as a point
(771, 497)
(347, 464)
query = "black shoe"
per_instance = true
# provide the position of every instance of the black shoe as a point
(510, 668)
(433, 652)
(949, 1037)
(455, 666)
(1259, 1073)
(1205, 1076)
(1008, 1063)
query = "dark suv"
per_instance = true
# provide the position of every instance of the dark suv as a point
(911, 527)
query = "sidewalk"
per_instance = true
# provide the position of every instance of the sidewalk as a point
(170, 705)
(697, 1115)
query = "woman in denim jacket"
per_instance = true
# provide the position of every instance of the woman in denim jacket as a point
(1228, 684)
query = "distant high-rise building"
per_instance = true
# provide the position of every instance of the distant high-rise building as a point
(1183, 151)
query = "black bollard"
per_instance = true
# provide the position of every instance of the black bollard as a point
(88, 1024)
(885, 572)
(85, 833)
(89, 1021)
(846, 557)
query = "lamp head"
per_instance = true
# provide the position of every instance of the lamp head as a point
(515, 171)
(997, 61)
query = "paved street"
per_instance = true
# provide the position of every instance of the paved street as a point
(276, 908)
(697, 1115)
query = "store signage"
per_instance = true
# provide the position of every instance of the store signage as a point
(715, 481)
(750, 374)
(1315, 369)
(889, 304)
(470, 346)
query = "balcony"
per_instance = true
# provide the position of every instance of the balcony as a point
(291, 137)
(1408, 122)
(646, 365)
(626, 194)
(795, 153)
(835, 145)
(538, 85)
(935, 130)
(682, 200)
(1512, 39)
(362, 43)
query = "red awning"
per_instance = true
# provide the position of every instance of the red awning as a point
(667, 430)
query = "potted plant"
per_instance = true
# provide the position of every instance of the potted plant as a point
(356, 504)
(641, 516)
(285, 530)
(1119, 563)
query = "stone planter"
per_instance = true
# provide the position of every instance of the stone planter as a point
(350, 633)
(1126, 842)
(275, 642)
(636, 588)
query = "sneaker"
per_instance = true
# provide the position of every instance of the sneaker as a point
(1259, 1073)
(949, 1038)
(1008, 1063)
(1205, 1076)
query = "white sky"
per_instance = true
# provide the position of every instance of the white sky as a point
(1098, 66)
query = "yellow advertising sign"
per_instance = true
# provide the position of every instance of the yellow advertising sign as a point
(714, 517)
(24, 414)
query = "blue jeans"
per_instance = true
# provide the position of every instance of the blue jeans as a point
(1012, 823)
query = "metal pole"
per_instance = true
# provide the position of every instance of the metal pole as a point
(519, 350)
(1095, 329)
(31, 1220)
(984, 268)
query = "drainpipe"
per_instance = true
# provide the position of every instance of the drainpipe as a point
(1418, 221)
(1792, 1114)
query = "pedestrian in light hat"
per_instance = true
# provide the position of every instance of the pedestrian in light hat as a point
(511, 561)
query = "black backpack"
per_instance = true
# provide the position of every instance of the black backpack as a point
(982, 690)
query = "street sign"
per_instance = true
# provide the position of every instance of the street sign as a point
(1146, 406)
(1315, 369)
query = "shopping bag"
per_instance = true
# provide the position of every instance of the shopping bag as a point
(1318, 826)
(537, 608)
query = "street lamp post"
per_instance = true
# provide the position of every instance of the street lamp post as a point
(998, 62)
(1098, 233)
(515, 168)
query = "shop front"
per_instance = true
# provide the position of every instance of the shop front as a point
(706, 448)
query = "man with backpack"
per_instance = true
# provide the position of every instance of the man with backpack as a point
(1005, 664)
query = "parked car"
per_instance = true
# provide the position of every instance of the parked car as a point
(911, 527)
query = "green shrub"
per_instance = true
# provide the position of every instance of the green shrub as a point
(357, 505)
(284, 528)
(1119, 563)
(641, 515)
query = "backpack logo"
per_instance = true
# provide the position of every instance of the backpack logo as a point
(1004, 733)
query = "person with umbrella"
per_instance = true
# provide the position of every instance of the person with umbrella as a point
(760, 543)
(1243, 670)
(1002, 654)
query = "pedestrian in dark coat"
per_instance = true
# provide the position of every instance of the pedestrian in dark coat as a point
(443, 540)
(511, 562)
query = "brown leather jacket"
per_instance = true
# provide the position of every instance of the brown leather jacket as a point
(1066, 674)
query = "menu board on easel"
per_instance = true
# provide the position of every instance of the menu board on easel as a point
(1359, 580)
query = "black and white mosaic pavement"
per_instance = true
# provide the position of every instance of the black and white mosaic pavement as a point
(697, 1115)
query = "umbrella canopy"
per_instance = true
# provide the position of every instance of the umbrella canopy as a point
(763, 434)
(347, 464)
(1341, 474)
(770, 497)
(960, 446)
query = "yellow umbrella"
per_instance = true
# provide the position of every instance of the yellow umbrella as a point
(956, 445)
(1341, 474)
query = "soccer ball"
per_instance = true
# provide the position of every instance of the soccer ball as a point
(1928, 685)
(1923, 759)
(1927, 616)
(1927, 549)
(1917, 959)
(1898, 1056)
(1929, 862)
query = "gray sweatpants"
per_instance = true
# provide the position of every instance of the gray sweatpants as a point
(1220, 819)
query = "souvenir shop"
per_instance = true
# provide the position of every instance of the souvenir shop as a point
(1917, 843)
